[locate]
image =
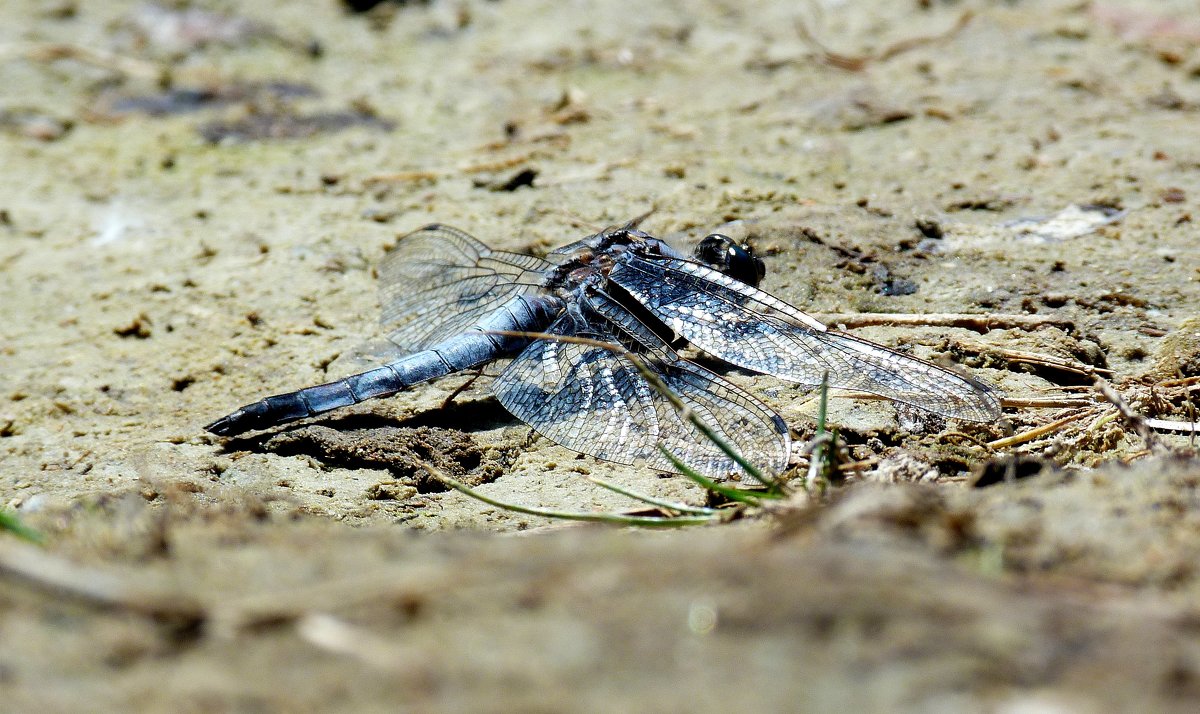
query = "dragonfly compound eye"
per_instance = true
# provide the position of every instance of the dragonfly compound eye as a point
(721, 253)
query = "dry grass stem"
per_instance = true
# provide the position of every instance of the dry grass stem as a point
(1038, 432)
(54, 51)
(1034, 358)
(1187, 427)
(1133, 420)
(1063, 402)
(100, 588)
(979, 323)
(858, 63)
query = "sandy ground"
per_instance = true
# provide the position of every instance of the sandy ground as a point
(189, 217)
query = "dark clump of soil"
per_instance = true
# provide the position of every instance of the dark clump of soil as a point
(402, 451)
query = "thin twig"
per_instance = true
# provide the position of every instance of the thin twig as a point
(1037, 432)
(963, 435)
(102, 588)
(1130, 458)
(53, 51)
(979, 323)
(1035, 358)
(1060, 402)
(430, 175)
(857, 63)
(912, 43)
(1182, 382)
(1187, 427)
(1188, 384)
(1133, 420)
(1063, 402)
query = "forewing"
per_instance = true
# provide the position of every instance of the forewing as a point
(438, 281)
(756, 331)
(594, 400)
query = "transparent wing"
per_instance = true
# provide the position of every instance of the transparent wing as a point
(437, 281)
(756, 331)
(595, 401)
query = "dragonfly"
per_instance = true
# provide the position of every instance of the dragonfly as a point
(576, 324)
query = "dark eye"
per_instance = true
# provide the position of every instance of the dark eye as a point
(720, 252)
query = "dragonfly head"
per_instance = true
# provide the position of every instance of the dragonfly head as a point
(721, 253)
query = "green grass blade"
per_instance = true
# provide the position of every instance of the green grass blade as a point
(657, 502)
(817, 477)
(12, 524)
(709, 433)
(756, 473)
(733, 494)
(612, 518)
(823, 408)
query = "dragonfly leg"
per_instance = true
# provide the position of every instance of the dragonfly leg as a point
(477, 373)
